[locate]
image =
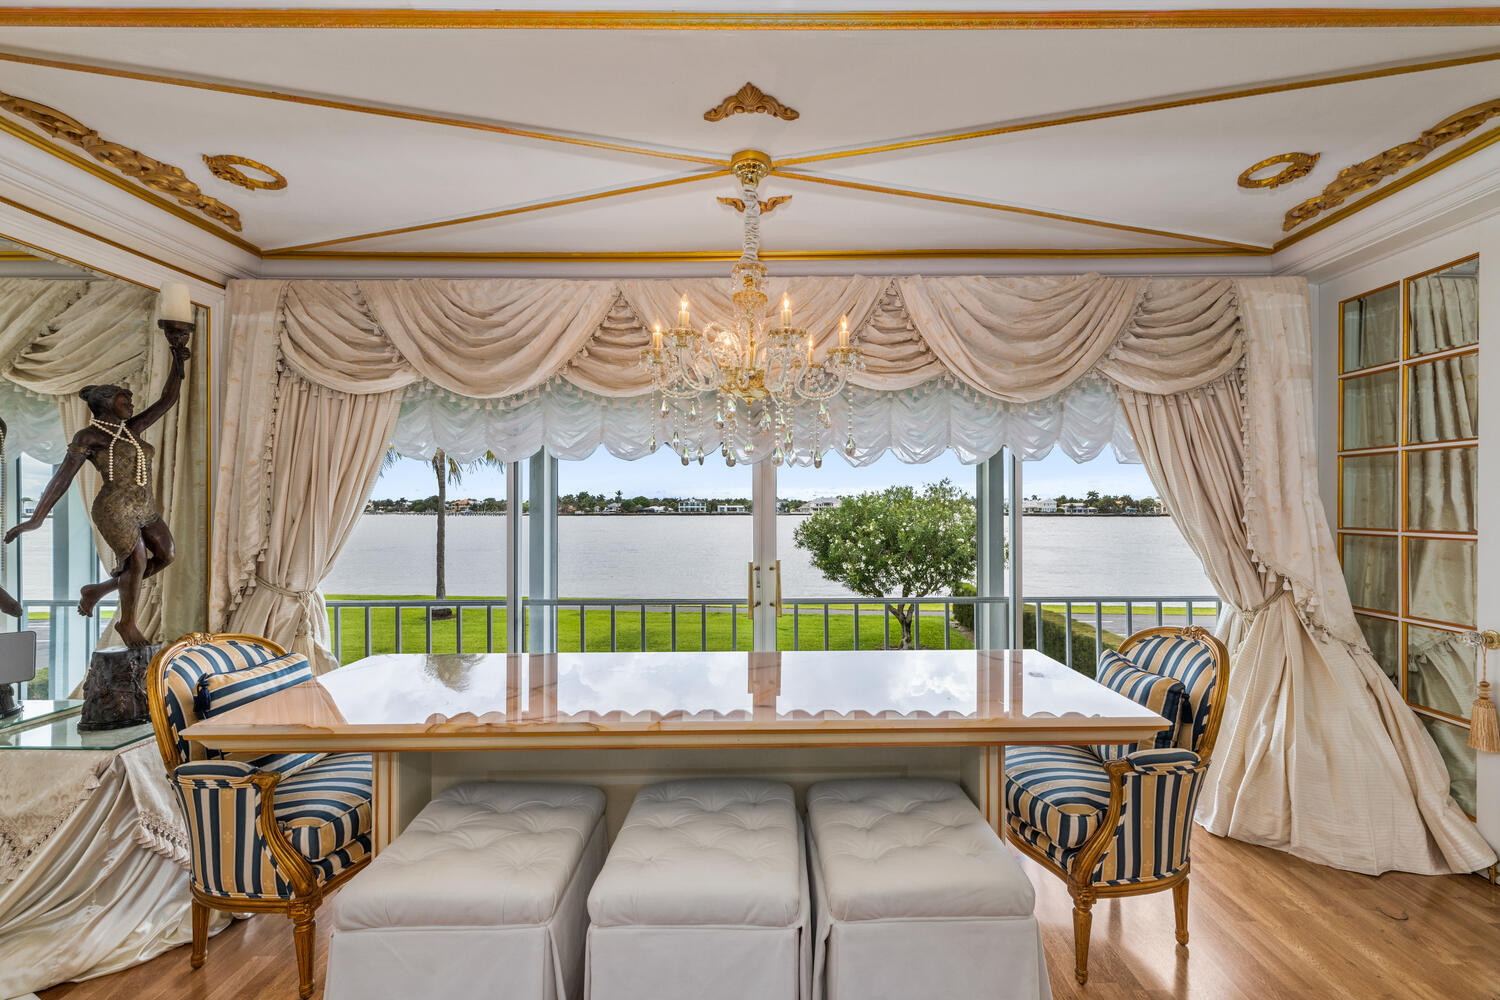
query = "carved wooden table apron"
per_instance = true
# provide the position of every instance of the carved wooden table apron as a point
(623, 720)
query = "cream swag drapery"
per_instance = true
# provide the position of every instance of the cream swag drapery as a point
(543, 363)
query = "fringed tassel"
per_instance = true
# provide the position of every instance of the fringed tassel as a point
(1484, 724)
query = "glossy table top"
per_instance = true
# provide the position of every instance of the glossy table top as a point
(684, 699)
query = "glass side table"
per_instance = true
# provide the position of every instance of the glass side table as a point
(53, 725)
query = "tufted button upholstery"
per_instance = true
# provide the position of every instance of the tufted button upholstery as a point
(481, 854)
(699, 852)
(911, 848)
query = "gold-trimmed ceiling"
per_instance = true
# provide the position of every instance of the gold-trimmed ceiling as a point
(947, 138)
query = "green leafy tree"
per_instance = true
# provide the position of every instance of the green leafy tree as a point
(895, 543)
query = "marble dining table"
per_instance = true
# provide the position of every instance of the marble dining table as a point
(621, 720)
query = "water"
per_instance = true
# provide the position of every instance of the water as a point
(706, 556)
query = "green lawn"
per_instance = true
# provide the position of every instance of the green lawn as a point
(717, 630)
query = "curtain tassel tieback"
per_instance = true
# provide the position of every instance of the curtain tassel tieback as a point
(1251, 614)
(1484, 725)
(304, 599)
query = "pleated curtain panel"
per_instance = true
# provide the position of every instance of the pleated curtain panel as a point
(57, 336)
(1208, 381)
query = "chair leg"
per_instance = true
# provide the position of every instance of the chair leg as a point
(303, 927)
(1083, 922)
(200, 934)
(1179, 903)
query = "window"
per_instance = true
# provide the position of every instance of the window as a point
(1408, 491)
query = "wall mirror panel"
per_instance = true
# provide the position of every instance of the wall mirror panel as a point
(1442, 399)
(1370, 329)
(1368, 491)
(1371, 567)
(1371, 410)
(1440, 669)
(1384, 638)
(1453, 743)
(1440, 574)
(1443, 309)
(1442, 485)
(63, 327)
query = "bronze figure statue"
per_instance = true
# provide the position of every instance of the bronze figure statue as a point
(125, 512)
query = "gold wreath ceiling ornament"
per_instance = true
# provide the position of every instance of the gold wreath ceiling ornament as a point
(766, 207)
(132, 163)
(1367, 174)
(226, 168)
(1297, 166)
(750, 100)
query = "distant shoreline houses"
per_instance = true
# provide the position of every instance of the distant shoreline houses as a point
(585, 504)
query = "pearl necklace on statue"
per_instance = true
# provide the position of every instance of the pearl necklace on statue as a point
(119, 432)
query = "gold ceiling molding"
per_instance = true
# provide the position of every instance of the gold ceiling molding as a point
(505, 212)
(1297, 166)
(1368, 173)
(1139, 109)
(750, 100)
(720, 256)
(132, 163)
(226, 167)
(907, 20)
(1013, 209)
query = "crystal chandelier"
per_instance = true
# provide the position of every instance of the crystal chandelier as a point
(763, 377)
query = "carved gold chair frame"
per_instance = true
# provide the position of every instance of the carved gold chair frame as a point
(307, 894)
(1079, 875)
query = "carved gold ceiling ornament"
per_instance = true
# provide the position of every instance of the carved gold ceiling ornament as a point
(132, 163)
(1353, 179)
(766, 207)
(1297, 166)
(750, 100)
(226, 167)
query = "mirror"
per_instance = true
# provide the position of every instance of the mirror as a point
(1370, 329)
(1368, 491)
(1371, 564)
(1440, 670)
(67, 326)
(1443, 309)
(1443, 400)
(1453, 743)
(1382, 635)
(1371, 410)
(1440, 575)
(1442, 485)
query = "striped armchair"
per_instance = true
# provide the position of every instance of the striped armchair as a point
(268, 833)
(1116, 820)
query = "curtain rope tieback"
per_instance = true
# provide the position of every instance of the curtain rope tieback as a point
(304, 599)
(1251, 614)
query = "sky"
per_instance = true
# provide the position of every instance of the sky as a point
(663, 475)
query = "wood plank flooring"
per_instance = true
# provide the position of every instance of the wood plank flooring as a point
(1264, 926)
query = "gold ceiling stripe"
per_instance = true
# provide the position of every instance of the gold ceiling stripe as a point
(1397, 184)
(124, 184)
(505, 212)
(909, 20)
(357, 108)
(1013, 209)
(718, 256)
(1138, 109)
(102, 239)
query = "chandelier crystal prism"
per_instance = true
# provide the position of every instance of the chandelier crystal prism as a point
(764, 375)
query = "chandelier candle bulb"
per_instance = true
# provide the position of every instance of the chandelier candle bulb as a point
(176, 303)
(843, 331)
(786, 312)
(656, 338)
(682, 314)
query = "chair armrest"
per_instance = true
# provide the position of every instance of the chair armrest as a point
(1165, 760)
(238, 794)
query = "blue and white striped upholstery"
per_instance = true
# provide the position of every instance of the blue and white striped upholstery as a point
(1163, 695)
(181, 676)
(1192, 663)
(1151, 840)
(229, 857)
(223, 691)
(326, 805)
(1061, 791)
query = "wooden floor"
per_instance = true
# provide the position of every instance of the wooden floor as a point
(1264, 925)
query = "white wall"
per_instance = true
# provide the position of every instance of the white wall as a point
(1482, 237)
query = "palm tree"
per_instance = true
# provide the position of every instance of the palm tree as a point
(446, 470)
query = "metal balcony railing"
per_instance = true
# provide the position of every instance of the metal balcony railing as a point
(1073, 629)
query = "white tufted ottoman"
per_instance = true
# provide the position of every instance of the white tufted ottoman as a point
(915, 896)
(703, 897)
(483, 895)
